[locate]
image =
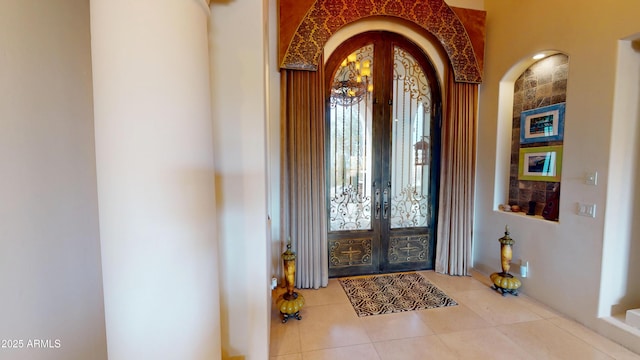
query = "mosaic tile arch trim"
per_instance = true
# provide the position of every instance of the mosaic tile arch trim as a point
(325, 17)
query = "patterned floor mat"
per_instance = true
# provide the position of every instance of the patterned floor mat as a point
(392, 293)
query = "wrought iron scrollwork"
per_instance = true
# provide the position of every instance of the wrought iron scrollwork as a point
(350, 209)
(408, 249)
(351, 252)
(409, 208)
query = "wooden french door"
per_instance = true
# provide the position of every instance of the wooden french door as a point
(383, 138)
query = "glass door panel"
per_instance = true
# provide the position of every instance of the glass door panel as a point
(410, 150)
(350, 143)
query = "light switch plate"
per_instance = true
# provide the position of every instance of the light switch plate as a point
(591, 178)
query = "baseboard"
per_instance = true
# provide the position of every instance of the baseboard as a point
(615, 328)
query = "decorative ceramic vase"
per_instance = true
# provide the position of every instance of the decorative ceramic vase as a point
(532, 208)
(290, 302)
(503, 281)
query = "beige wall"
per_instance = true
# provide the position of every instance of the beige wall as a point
(565, 258)
(239, 72)
(49, 244)
(154, 160)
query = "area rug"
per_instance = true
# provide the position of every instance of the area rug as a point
(393, 293)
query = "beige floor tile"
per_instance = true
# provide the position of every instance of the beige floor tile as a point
(366, 351)
(482, 278)
(287, 357)
(485, 325)
(544, 340)
(483, 344)
(453, 284)
(495, 308)
(539, 309)
(329, 326)
(395, 326)
(332, 294)
(417, 348)
(285, 338)
(597, 341)
(452, 318)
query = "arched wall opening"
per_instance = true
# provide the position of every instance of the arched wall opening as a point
(430, 46)
(505, 140)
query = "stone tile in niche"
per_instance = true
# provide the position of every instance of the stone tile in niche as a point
(544, 78)
(529, 96)
(551, 186)
(529, 83)
(539, 185)
(515, 159)
(539, 196)
(561, 59)
(517, 109)
(515, 133)
(524, 185)
(556, 60)
(517, 86)
(513, 196)
(531, 104)
(544, 90)
(524, 196)
(555, 99)
(515, 156)
(559, 87)
(561, 72)
(518, 98)
(513, 171)
(544, 101)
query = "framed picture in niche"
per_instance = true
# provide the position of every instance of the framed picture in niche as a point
(543, 163)
(542, 124)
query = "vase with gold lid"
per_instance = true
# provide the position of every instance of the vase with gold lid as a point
(290, 302)
(504, 282)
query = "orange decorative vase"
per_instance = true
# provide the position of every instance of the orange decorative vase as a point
(290, 302)
(504, 282)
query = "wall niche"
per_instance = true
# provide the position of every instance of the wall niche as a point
(538, 105)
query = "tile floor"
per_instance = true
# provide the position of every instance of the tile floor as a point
(485, 325)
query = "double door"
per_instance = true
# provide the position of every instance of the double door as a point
(383, 127)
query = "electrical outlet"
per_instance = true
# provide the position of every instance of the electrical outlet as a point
(588, 210)
(524, 268)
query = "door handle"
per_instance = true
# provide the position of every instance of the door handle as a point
(377, 205)
(385, 203)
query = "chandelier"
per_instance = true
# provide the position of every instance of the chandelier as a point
(352, 80)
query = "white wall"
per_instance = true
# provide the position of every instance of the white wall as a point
(49, 243)
(154, 151)
(565, 257)
(239, 63)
